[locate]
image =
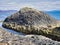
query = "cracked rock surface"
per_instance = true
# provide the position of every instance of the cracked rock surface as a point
(15, 39)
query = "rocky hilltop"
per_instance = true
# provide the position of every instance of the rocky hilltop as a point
(30, 16)
(32, 21)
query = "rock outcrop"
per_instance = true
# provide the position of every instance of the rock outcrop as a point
(30, 16)
(7, 38)
(32, 21)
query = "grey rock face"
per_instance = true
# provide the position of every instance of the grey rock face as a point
(30, 16)
(29, 21)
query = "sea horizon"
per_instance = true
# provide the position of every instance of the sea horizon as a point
(5, 13)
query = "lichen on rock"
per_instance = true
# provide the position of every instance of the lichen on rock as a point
(31, 21)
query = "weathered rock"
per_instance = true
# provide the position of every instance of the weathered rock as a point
(13, 39)
(32, 21)
(28, 18)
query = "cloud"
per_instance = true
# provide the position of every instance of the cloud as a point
(48, 5)
(40, 4)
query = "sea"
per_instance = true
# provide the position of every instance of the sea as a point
(5, 13)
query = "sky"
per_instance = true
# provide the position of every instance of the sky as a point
(44, 5)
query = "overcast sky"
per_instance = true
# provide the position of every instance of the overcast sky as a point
(45, 5)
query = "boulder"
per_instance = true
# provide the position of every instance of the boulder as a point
(31, 21)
